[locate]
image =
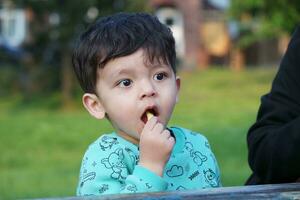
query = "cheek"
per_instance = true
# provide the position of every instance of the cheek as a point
(117, 105)
(119, 113)
(169, 99)
(171, 106)
(120, 110)
(168, 105)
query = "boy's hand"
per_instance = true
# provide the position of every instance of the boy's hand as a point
(156, 144)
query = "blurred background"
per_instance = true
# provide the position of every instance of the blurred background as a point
(228, 54)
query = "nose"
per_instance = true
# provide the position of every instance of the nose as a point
(147, 90)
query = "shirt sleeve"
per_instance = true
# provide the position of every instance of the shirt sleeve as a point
(113, 171)
(273, 140)
(146, 181)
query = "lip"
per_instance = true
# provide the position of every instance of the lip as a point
(154, 111)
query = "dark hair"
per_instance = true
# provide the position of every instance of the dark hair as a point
(120, 35)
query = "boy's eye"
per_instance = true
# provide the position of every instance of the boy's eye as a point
(159, 76)
(125, 83)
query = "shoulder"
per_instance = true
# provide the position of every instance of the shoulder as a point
(104, 145)
(189, 134)
(193, 139)
(110, 147)
(200, 153)
(106, 161)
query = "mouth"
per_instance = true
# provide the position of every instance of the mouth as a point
(152, 110)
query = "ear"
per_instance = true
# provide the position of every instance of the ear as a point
(178, 82)
(93, 105)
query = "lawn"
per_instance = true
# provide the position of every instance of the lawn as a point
(41, 148)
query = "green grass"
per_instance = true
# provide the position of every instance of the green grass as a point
(41, 149)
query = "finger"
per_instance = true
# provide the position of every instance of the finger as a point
(166, 134)
(158, 128)
(151, 123)
(171, 142)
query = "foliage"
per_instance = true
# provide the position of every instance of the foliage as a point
(41, 148)
(68, 17)
(53, 26)
(264, 18)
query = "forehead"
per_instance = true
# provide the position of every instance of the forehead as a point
(135, 61)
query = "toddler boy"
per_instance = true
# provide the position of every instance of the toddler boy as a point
(125, 64)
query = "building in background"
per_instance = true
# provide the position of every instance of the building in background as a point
(204, 35)
(12, 26)
(199, 28)
(13, 30)
(174, 19)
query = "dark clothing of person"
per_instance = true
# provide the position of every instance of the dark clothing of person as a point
(274, 139)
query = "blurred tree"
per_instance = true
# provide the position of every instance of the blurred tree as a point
(195, 55)
(56, 24)
(264, 18)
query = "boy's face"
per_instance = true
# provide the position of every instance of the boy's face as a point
(128, 87)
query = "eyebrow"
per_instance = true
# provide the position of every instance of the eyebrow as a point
(149, 64)
(121, 72)
(125, 71)
(159, 66)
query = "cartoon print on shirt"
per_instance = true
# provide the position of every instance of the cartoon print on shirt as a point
(148, 185)
(103, 188)
(94, 164)
(194, 133)
(207, 144)
(115, 161)
(132, 188)
(187, 167)
(197, 156)
(175, 171)
(108, 142)
(134, 158)
(215, 161)
(123, 186)
(83, 167)
(211, 178)
(180, 188)
(194, 175)
(87, 177)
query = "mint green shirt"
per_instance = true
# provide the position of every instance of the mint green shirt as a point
(110, 166)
